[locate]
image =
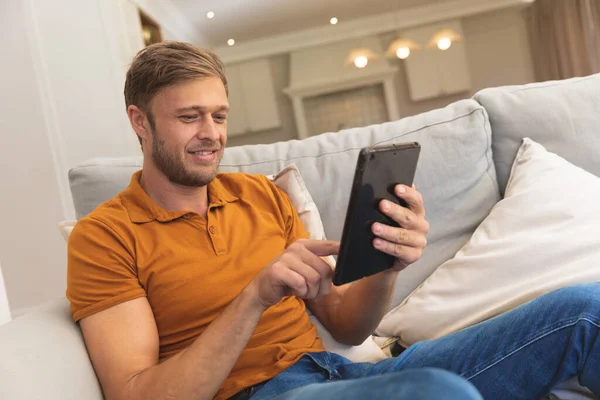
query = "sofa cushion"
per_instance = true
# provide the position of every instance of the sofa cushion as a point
(456, 176)
(563, 116)
(44, 357)
(541, 237)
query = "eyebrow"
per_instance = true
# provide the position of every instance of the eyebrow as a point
(202, 109)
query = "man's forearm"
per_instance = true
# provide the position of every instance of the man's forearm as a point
(199, 371)
(363, 306)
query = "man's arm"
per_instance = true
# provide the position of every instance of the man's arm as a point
(123, 345)
(353, 311)
(123, 340)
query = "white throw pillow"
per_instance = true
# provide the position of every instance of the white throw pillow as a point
(290, 181)
(544, 235)
(65, 228)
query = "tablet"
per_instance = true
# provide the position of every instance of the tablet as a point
(378, 170)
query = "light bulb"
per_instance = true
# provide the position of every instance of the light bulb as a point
(210, 15)
(333, 21)
(231, 42)
(361, 61)
(403, 53)
(444, 43)
(147, 34)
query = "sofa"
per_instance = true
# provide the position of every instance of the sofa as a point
(468, 149)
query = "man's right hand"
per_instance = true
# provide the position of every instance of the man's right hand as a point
(298, 271)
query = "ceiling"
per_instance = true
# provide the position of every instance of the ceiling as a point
(245, 20)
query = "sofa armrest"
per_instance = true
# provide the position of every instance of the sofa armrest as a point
(43, 356)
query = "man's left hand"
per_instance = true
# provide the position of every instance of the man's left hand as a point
(406, 242)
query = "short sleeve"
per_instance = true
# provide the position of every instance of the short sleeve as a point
(101, 269)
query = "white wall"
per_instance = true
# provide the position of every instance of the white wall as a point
(32, 253)
(499, 42)
(61, 78)
(84, 79)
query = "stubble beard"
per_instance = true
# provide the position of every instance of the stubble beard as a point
(174, 167)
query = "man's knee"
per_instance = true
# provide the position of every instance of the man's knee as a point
(410, 384)
(439, 384)
(582, 298)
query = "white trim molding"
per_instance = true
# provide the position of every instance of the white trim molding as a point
(334, 72)
(386, 78)
(55, 138)
(5, 314)
(360, 27)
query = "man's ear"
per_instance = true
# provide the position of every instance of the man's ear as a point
(137, 119)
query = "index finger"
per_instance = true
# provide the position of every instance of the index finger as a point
(412, 197)
(322, 248)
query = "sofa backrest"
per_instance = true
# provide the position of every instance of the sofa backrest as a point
(456, 175)
(43, 356)
(564, 116)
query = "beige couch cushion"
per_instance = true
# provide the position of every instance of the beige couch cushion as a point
(563, 116)
(44, 357)
(543, 236)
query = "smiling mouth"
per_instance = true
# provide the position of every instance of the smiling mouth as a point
(203, 152)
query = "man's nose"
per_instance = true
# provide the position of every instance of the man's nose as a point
(208, 129)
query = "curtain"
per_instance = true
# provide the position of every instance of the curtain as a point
(565, 38)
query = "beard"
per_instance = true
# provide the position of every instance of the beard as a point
(174, 167)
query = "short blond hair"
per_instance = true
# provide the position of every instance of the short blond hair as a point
(164, 64)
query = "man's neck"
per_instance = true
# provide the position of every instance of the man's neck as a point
(173, 197)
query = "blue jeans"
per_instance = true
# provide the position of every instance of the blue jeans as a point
(521, 354)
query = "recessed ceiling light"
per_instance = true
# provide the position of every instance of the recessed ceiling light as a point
(333, 21)
(444, 43)
(231, 42)
(210, 15)
(361, 61)
(403, 53)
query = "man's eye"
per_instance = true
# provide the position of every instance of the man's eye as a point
(220, 118)
(188, 117)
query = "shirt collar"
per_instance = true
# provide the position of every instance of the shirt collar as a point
(141, 208)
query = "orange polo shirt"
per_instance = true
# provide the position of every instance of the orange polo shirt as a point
(191, 268)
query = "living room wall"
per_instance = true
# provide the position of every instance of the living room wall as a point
(62, 77)
(498, 54)
(32, 254)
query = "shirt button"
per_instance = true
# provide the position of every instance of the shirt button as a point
(186, 216)
(212, 230)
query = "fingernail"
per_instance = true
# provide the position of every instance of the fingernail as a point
(378, 242)
(400, 189)
(377, 228)
(386, 206)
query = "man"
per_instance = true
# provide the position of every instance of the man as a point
(193, 285)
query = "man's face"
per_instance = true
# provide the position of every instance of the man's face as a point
(190, 131)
